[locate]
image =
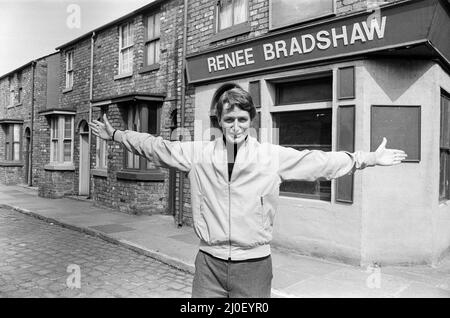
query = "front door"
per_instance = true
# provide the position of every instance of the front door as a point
(84, 160)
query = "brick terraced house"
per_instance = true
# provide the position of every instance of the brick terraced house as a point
(130, 70)
(23, 93)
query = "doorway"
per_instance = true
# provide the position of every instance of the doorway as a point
(27, 171)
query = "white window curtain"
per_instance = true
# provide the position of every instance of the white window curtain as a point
(225, 14)
(232, 12)
(101, 152)
(153, 35)
(16, 143)
(240, 11)
(69, 69)
(61, 148)
(134, 123)
(55, 139)
(126, 48)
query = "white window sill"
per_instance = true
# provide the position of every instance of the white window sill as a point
(11, 164)
(124, 75)
(59, 167)
(230, 32)
(98, 172)
(149, 68)
(66, 90)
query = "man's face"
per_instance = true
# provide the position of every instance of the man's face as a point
(235, 124)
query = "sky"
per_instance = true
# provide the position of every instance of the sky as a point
(30, 29)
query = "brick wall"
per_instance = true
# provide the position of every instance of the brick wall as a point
(137, 197)
(41, 137)
(64, 180)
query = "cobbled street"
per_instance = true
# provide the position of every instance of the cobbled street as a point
(35, 255)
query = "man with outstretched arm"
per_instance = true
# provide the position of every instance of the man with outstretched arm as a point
(234, 191)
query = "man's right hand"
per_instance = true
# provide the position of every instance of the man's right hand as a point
(102, 130)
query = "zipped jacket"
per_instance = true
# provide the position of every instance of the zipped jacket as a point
(234, 217)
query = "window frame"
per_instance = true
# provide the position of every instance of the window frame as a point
(274, 111)
(19, 88)
(143, 165)
(374, 143)
(12, 95)
(69, 56)
(154, 39)
(10, 141)
(302, 21)
(60, 139)
(129, 47)
(233, 25)
(313, 77)
(101, 150)
(317, 105)
(444, 149)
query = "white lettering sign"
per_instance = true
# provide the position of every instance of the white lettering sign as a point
(362, 32)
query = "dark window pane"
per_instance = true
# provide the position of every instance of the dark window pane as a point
(287, 12)
(345, 142)
(401, 127)
(305, 91)
(255, 91)
(443, 175)
(306, 130)
(152, 120)
(346, 83)
(256, 125)
(445, 121)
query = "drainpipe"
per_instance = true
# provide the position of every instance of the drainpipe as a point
(30, 164)
(183, 101)
(90, 108)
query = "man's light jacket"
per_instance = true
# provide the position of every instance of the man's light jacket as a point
(234, 217)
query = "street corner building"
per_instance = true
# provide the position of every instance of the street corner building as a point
(341, 75)
(324, 74)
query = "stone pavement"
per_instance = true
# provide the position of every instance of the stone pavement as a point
(295, 275)
(35, 257)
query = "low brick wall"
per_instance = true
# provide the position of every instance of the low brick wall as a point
(56, 184)
(11, 175)
(149, 197)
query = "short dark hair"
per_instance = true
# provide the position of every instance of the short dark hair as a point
(236, 97)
